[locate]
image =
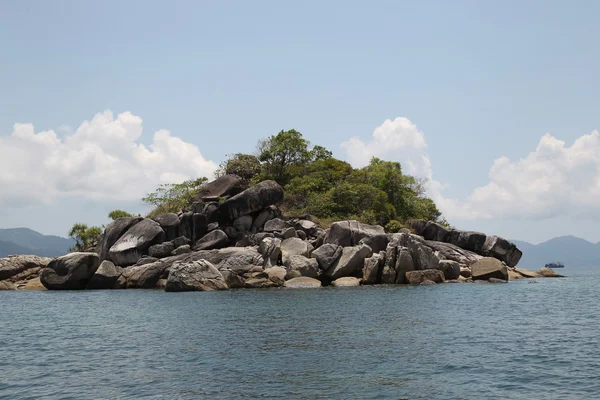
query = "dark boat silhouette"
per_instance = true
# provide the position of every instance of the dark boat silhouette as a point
(554, 265)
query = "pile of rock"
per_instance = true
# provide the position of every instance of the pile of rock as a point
(244, 242)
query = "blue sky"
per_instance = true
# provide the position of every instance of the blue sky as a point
(479, 80)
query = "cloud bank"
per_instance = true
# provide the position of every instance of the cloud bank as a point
(554, 180)
(103, 159)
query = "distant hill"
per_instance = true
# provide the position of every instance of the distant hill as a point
(27, 241)
(570, 250)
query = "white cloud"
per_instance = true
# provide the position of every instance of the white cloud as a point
(397, 140)
(554, 180)
(102, 159)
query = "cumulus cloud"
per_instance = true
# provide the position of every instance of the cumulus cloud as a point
(102, 159)
(397, 140)
(554, 180)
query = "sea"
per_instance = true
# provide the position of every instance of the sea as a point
(526, 339)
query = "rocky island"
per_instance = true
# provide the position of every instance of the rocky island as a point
(245, 241)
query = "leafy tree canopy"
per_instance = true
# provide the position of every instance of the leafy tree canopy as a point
(84, 236)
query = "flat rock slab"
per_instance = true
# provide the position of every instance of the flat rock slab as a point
(303, 282)
(489, 267)
(347, 281)
(548, 273)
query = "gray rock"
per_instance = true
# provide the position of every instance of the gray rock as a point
(257, 238)
(186, 225)
(350, 263)
(113, 232)
(161, 250)
(232, 279)
(301, 234)
(275, 225)
(225, 185)
(258, 283)
(548, 273)
(388, 275)
(6, 285)
(377, 243)
(417, 277)
(294, 246)
(198, 275)
(465, 272)
(276, 273)
(212, 226)
(451, 269)
(145, 260)
(489, 267)
(231, 232)
(216, 239)
(303, 282)
(404, 264)
(454, 253)
(70, 272)
(289, 233)
(297, 265)
(347, 281)
(350, 233)
(144, 276)
(15, 266)
(169, 224)
(527, 273)
(256, 198)
(327, 255)
(106, 276)
(184, 249)
(270, 249)
(265, 215)
(503, 250)
(372, 268)
(180, 241)
(135, 242)
(308, 227)
(199, 226)
(243, 224)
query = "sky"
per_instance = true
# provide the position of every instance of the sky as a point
(495, 103)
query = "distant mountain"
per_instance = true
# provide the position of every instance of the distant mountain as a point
(27, 241)
(570, 250)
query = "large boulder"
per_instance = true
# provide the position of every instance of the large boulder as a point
(226, 185)
(303, 282)
(161, 250)
(70, 272)
(145, 276)
(198, 275)
(106, 276)
(350, 263)
(169, 223)
(199, 226)
(372, 268)
(270, 249)
(135, 242)
(502, 249)
(294, 246)
(275, 225)
(297, 265)
(451, 269)
(18, 267)
(327, 254)
(347, 281)
(404, 264)
(232, 279)
(216, 239)
(308, 227)
(113, 232)
(377, 243)
(243, 224)
(418, 277)
(256, 198)
(489, 267)
(350, 233)
(548, 273)
(453, 252)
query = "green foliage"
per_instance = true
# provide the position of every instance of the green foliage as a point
(393, 226)
(116, 214)
(84, 236)
(173, 197)
(246, 166)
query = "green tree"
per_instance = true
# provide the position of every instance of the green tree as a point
(246, 166)
(116, 214)
(173, 197)
(84, 236)
(279, 152)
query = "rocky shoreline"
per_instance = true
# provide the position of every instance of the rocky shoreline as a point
(245, 242)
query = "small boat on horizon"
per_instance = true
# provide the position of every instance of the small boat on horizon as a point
(553, 265)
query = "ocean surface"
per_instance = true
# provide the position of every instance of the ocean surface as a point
(529, 339)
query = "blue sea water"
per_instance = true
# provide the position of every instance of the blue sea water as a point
(529, 339)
